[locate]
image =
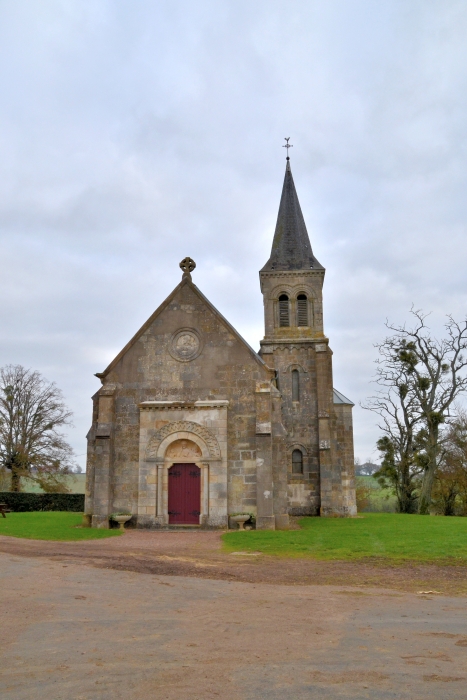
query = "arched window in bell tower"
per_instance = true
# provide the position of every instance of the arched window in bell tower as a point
(297, 462)
(295, 385)
(284, 315)
(302, 310)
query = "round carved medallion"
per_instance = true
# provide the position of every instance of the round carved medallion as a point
(185, 345)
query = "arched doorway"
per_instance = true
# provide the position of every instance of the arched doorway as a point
(184, 497)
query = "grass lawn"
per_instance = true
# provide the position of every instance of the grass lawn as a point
(53, 525)
(389, 535)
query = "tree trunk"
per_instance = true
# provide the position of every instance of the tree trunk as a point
(450, 503)
(405, 491)
(403, 498)
(424, 502)
(15, 480)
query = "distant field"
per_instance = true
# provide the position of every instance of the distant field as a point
(74, 483)
(389, 536)
(380, 500)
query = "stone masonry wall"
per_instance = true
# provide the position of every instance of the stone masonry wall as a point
(345, 450)
(293, 348)
(224, 369)
(299, 419)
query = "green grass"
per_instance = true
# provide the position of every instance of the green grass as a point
(50, 526)
(382, 535)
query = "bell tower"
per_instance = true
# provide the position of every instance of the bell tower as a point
(312, 472)
(292, 279)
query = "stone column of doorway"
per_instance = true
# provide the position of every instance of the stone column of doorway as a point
(164, 493)
(204, 496)
(160, 489)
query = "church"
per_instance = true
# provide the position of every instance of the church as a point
(191, 425)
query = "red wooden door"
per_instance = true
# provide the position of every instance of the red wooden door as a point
(184, 494)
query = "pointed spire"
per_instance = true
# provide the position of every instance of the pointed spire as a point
(291, 248)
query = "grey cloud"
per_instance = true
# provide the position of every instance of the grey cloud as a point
(133, 134)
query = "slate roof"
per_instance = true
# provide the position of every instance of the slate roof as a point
(291, 248)
(340, 398)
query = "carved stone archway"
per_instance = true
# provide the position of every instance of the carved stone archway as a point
(201, 425)
(190, 431)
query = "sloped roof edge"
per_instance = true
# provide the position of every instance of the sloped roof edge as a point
(340, 398)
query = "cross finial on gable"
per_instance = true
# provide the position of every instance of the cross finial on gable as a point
(187, 265)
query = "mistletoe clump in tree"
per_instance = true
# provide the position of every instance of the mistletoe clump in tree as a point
(32, 411)
(420, 377)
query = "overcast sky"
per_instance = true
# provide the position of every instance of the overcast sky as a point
(134, 133)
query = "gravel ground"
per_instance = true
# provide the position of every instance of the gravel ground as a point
(199, 554)
(74, 631)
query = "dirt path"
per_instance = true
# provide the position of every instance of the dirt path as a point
(199, 555)
(71, 631)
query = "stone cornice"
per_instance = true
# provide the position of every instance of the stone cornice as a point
(292, 273)
(181, 405)
(293, 341)
(107, 390)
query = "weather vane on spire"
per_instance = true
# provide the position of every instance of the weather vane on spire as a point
(287, 145)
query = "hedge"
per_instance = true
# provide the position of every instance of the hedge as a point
(23, 502)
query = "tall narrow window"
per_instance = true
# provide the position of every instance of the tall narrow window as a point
(302, 310)
(297, 462)
(284, 310)
(295, 385)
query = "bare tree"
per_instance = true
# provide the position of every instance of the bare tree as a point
(450, 485)
(400, 444)
(438, 370)
(31, 412)
(431, 375)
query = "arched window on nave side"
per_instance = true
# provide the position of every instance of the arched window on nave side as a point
(297, 462)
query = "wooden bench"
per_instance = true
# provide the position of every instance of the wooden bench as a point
(4, 509)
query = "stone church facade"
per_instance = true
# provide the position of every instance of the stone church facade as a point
(191, 424)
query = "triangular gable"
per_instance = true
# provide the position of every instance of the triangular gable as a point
(161, 308)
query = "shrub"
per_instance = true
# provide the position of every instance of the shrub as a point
(5, 479)
(362, 493)
(27, 502)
